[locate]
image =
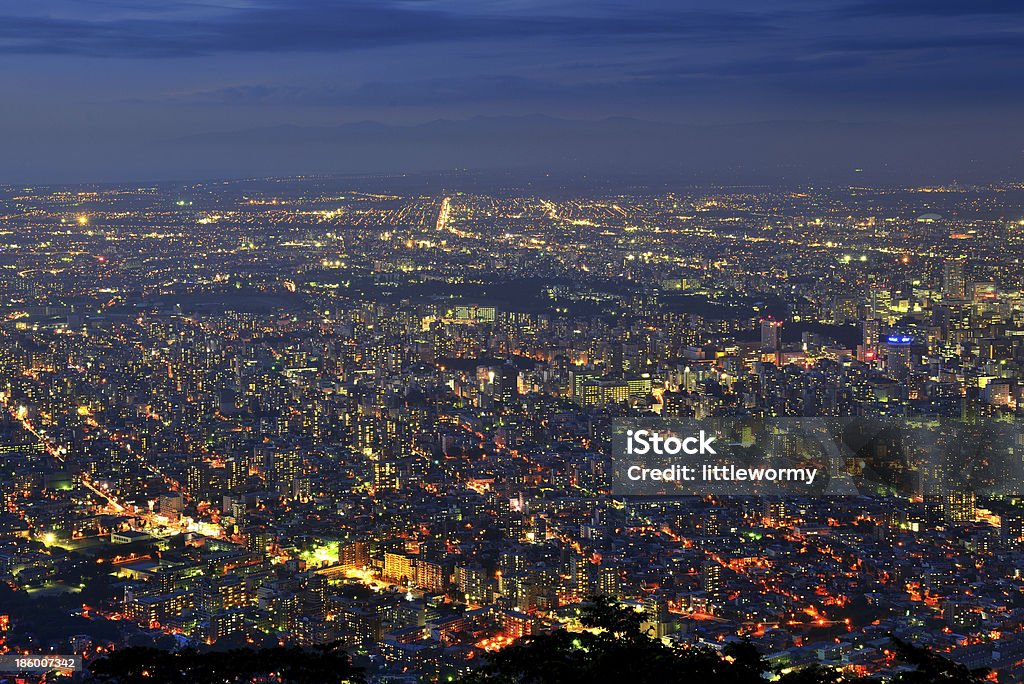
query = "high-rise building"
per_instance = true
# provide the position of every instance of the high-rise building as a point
(604, 392)
(771, 334)
(713, 523)
(845, 309)
(711, 577)
(577, 377)
(429, 576)
(1012, 528)
(958, 507)
(953, 279)
(871, 330)
(897, 359)
(285, 470)
(399, 568)
(609, 581)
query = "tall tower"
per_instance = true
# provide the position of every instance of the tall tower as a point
(771, 334)
(711, 578)
(897, 359)
(953, 279)
(286, 470)
(871, 330)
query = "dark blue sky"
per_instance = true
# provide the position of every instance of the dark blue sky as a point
(125, 89)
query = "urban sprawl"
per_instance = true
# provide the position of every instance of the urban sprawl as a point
(290, 411)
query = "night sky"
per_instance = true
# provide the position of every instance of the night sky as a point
(795, 90)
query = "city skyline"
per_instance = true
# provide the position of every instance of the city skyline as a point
(294, 412)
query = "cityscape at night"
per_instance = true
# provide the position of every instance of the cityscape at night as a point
(511, 342)
(283, 410)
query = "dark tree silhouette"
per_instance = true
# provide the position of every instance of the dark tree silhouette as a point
(615, 650)
(932, 668)
(325, 664)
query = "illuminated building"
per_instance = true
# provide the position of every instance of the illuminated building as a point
(771, 335)
(953, 284)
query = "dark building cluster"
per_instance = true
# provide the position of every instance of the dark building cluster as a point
(283, 411)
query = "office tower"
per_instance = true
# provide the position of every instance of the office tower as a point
(897, 359)
(771, 334)
(871, 331)
(953, 279)
(285, 470)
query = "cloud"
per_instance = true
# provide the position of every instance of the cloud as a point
(972, 41)
(338, 26)
(933, 8)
